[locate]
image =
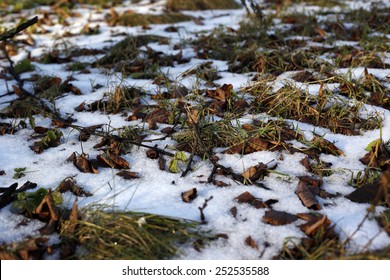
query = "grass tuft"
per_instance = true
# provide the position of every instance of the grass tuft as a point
(129, 236)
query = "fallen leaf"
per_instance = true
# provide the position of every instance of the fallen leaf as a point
(247, 197)
(233, 211)
(41, 129)
(307, 190)
(249, 241)
(128, 175)
(83, 164)
(153, 154)
(80, 107)
(189, 195)
(69, 184)
(253, 173)
(113, 161)
(221, 93)
(220, 184)
(315, 224)
(326, 146)
(306, 163)
(278, 218)
(46, 210)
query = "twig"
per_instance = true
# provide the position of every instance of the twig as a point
(12, 32)
(202, 216)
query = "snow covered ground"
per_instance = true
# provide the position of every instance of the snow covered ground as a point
(159, 191)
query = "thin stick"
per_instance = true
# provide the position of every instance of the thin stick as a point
(12, 32)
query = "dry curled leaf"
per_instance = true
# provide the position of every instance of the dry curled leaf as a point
(307, 190)
(314, 224)
(189, 195)
(69, 184)
(153, 154)
(253, 173)
(113, 161)
(46, 210)
(221, 93)
(83, 164)
(306, 163)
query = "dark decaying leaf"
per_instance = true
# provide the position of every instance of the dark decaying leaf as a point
(2, 173)
(378, 157)
(307, 190)
(153, 154)
(247, 197)
(373, 192)
(161, 163)
(41, 129)
(69, 184)
(6, 128)
(104, 142)
(113, 161)
(189, 195)
(83, 164)
(278, 218)
(233, 211)
(128, 175)
(249, 241)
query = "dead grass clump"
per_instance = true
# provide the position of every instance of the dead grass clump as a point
(127, 49)
(177, 5)
(131, 18)
(128, 236)
(322, 110)
(220, 44)
(122, 98)
(208, 136)
(21, 108)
